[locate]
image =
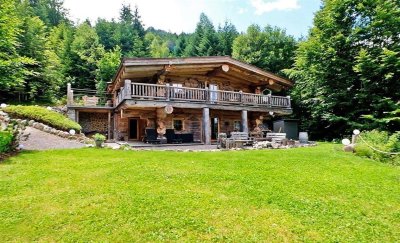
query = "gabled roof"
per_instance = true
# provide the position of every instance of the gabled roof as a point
(214, 67)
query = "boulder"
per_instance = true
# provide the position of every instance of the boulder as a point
(30, 123)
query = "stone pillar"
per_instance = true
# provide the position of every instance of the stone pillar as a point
(206, 126)
(245, 124)
(71, 113)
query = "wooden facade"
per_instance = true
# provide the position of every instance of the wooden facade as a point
(200, 96)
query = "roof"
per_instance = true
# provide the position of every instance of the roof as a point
(232, 69)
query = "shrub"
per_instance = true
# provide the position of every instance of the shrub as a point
(99, 137)
(381, 141)
(6, 139)
(41, 114)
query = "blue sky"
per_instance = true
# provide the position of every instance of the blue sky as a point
(182, 15)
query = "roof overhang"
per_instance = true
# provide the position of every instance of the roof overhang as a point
(223, 68)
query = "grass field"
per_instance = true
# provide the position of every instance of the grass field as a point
(306, 194)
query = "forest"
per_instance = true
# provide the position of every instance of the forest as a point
(346, 70)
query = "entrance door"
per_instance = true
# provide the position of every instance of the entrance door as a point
(133, 129)
(214, 127)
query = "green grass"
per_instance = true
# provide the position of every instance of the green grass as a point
(41, 114)
(306, 194)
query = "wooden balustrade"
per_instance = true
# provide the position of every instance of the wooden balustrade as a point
(172, 93)
(166, 92)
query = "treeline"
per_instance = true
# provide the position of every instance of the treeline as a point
(44, 50)
(346, 71)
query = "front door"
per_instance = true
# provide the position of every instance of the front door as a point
(133, 129)
(214, 128)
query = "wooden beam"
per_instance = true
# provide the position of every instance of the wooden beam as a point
(222, 69)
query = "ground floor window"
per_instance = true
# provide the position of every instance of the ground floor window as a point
(178, 124)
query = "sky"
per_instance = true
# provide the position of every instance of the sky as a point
(182, 15)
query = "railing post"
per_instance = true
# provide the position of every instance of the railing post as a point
(207, 93)
(167, 88)
(241, 96)
(70, 97)
(128, 89)
(289, 102)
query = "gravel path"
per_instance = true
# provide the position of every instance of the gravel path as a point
(39, 140)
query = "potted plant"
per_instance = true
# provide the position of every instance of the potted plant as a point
(99, 139)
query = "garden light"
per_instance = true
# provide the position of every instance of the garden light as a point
(345, 141)
(356, 132)
(72, 132)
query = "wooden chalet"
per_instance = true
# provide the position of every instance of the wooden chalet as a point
(198, 97)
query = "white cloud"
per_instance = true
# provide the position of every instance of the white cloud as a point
(262, 6)
(242, 10)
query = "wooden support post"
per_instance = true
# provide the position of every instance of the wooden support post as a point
(77, 116)
(167, 91)
(109, 126)
(128, 89)
(245, 126)
(206, 126)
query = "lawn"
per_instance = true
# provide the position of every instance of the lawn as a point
(305, 194)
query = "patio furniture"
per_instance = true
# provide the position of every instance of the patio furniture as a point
(186, 137)
(240, 139)
(276, 137)
(151, 136)
(90, 101)
(172, 137)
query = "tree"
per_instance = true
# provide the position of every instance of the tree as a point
(130, 33)
(107, 66)
(226, 35)
(51, 12)
(86, 52)
(158, 48)
(204, 41)
(46, 76)
(348, 66)
(106, 32)
(271, 48)
(13, 66)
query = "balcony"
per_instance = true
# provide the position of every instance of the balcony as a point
(167, 93)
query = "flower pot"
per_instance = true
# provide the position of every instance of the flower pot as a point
(98, 143)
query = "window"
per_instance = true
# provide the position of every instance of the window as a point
(178, 124)
(237, 126)
(177, 88)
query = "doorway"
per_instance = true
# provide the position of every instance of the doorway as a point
(214, 128)
(134, 129)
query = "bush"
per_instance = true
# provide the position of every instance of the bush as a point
(6, 139)
(99, 137)
(41, 114)
(381, 141)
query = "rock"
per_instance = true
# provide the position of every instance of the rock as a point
(30, 123)
(46, 129)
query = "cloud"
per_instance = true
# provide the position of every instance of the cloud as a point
(242, 10)
(262, 6)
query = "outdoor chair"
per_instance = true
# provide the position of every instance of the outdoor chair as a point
(171, 136)
(151, 136)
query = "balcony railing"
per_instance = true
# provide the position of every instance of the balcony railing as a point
(143, 91)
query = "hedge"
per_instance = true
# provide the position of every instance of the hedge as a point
(43, 115)
(6, 139)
